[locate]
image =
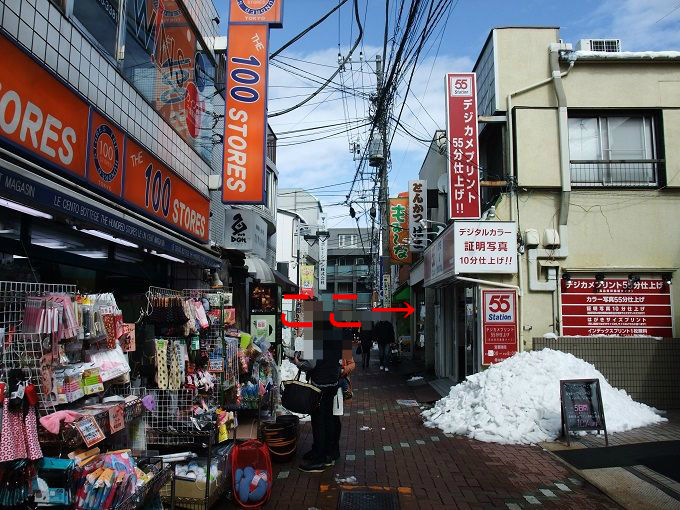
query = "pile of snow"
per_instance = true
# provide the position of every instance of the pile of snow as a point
(518, 401)
(415, 378)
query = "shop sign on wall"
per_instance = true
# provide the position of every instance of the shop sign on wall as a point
(323, 255)
(245, 231)
(438, 258)
(616, 306)
(397, 210)
(461, 129)
(417, 211)
(307, 280)
(485, 247)
(499, 325)
(52, 123)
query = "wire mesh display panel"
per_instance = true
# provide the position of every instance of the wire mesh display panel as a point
(172, 422)
(13, 298)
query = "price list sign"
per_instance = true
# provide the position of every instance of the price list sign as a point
(616, 307)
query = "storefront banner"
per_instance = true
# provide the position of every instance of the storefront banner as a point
(39, 192)
(307, 280)
(153, 188)
(45, 118)
(616, 306)
(39, 114)
(323, 255)
(417, 211)
(397, 210)
(105, 155)
(269, 12)
(463, 156)
(499, 325)
(245, 125)
(438, 263)
(245, 231)
(485, 247)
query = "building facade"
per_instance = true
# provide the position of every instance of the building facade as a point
(349, 262)
(579, 150)
(112, 114)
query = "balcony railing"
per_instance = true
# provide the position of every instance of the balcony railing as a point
(634, 173)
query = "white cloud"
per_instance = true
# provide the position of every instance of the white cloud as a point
(640, 24)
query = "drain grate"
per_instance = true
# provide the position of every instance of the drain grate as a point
(356, 500)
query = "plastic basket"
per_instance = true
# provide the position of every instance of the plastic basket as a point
(252, 453)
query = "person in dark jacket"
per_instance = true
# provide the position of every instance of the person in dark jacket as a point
(366, 338)
(384, 333)
(324, 373)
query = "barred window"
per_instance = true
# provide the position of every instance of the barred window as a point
(613, 150)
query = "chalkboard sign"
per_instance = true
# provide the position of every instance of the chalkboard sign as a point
(582, 407)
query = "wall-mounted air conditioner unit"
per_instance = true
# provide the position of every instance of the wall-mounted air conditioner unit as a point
(606, 45)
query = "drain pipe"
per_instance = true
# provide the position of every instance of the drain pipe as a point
(565, 179)
(534, 283)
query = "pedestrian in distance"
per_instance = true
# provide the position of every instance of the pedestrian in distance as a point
(366, 336)
(384, 332)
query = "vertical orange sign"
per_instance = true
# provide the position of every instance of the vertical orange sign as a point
(245, 125)
(400, 251)
(268, 12)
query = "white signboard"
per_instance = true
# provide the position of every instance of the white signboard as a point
(245, 231)
(485, 247)
(387, 291)
(417, 211)
(323, 255)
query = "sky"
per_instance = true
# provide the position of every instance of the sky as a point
(325, 166)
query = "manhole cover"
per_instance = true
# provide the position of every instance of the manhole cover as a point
(355, 500)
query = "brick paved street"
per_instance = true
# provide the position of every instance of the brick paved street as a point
(386, 448)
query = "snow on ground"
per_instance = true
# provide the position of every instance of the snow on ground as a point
(518, 401)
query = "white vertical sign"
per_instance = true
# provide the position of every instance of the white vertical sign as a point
(323, 254)
(417, 211)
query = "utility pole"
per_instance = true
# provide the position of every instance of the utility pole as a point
(383, 193)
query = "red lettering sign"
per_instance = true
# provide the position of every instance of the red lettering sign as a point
(499, 325)
(151, 187)
(616, 307)
(461, 129)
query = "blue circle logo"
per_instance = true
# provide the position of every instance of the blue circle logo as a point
(105, 153)
(258, 11)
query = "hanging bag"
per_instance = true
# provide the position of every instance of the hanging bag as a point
(299, 397)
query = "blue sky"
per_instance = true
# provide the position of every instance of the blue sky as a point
(641, 24)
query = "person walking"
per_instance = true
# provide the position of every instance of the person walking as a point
(385, 336)
(366, 336)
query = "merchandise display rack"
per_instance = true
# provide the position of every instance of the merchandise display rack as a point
(171, 423)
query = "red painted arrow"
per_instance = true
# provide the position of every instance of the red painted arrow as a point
(409, 309)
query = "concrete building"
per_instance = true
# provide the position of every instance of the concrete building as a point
(349, 261)
(586, 148)
(300, 214)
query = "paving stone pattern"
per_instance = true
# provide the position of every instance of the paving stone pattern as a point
(426, 468)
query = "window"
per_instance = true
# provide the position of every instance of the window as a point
(100, 19)
(613, 150)
(347, 241)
